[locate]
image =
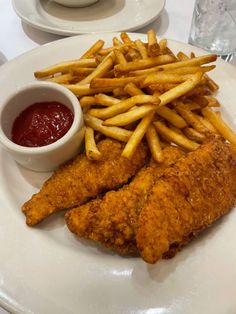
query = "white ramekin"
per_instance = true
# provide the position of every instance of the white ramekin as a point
(49, 157)
(75, 3)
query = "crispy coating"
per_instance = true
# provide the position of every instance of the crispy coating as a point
(190, 196)
(81, 179)
(113, 219)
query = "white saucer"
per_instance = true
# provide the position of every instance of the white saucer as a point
(103, 16)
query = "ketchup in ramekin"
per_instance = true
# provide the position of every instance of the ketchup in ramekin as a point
(41, 124)
(66, 136)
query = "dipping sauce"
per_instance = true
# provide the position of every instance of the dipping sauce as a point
(41, 124)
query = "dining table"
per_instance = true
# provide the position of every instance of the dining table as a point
(17, 37)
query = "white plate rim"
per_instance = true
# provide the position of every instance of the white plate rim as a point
(61, 31)
(11, 64)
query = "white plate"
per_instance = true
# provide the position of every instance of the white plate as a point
(47, 270)
(104, 16)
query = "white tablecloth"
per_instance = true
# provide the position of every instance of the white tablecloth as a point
(16, 37)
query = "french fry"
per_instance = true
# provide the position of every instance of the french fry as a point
(171, 53)
(105, 100)
(190, 117)
(208, 124)
(194, 135)
(164, 87)
(212, 102)
(119, 92)
(180, 90)
(132, 108)
(198, 90)
(65, 67)
(85, 89)
(154, 144)
(133, 90)
(93, 49)
(106, 51)
(116, 42)
(175, 137)
(161, 87)
(137, 136)
(190, 69)
(99, 58)
(142, 64)
(110, 131)
(147, 71)
(157, 94)
(100, 71)
(174, 128)
(220, 125)
(61, 79)
(163, 46)
(75, 80)
(86, 101)
(109, 74)
(191, 62)
(190, 105)
(113, 56)
(141, 48)
(182, 56)
(171, 116)
(132, 55)
(123, 106)
(153, 47)
(120, 58)
(130, 116)
(125, 38)
(200, 100)
(162, 77)
(81, 71)
(174, 65)
(91, 149)
(115, 82)
(212, 84)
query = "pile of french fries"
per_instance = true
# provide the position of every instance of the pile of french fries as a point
(137, 89)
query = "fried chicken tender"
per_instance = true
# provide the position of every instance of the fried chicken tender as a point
(190, 196)
(81, 179)
(113, 219)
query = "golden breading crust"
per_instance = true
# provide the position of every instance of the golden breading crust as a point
(191, 195)
(81, 179)
(113, 219)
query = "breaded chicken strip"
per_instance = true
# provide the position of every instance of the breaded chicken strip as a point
(82, 179)
(191, 195)
(113, 219)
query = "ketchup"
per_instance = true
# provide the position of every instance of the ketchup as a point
(41, 124)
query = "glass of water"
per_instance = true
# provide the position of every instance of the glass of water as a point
(214, 26)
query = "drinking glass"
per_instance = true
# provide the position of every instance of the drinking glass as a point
(214, 26)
